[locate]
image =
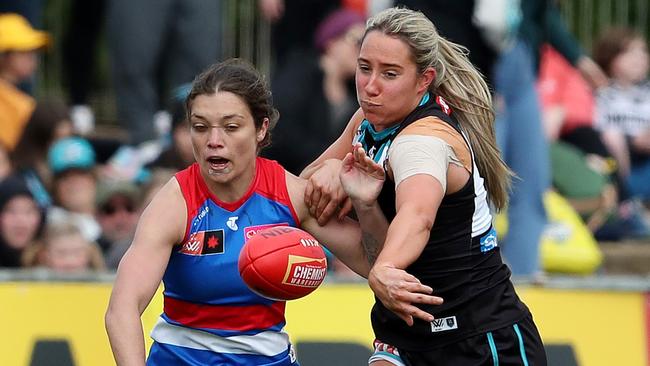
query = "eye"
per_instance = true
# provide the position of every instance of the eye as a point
(231, 127)
(199, 127)
(364, 68)
(390, 74)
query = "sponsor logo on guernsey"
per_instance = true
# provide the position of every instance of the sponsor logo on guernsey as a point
(252, 230)
(232, 223)
(489, 241)
(304, 271)
(201, 215)
(443, 324)
(204, 242)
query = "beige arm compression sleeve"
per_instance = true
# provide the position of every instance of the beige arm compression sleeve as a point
(416, 154)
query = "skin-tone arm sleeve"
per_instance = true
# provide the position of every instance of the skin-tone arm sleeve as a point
(410, 155)
(161, 225)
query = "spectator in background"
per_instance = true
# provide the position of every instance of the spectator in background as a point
(178, 155)
(316, 96)
(74, 186)
(80, 46)
(568, 111)
(19, 46)
(175, 40)
(118, 210)
(623, 107)
(65, 250)
(294, 24)
(20, 221)
(48, 123)
(519, 128)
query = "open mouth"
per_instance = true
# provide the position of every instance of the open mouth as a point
(217, 163)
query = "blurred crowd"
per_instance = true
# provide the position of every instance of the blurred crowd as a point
(571, 120)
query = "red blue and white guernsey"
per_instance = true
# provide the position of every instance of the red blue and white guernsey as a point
(210, 316)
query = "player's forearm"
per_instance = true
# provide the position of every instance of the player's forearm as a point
(406, 238)
(373, 229)
(126, 337)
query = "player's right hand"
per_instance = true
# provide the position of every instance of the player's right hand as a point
(399, 290)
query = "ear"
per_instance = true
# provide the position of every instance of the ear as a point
(425, 80)
(261, 133)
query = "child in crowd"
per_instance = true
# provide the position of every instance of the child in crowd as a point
(65, 250)
(623, 108)
(623, 115)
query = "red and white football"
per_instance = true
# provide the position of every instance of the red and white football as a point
(282, 263)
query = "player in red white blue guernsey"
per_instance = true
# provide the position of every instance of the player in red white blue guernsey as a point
(191, 234)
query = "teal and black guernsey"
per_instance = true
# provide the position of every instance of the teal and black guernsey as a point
(461, 261)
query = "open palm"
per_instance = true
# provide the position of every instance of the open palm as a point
(361, 177)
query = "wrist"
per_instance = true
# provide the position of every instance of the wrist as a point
(362, 206)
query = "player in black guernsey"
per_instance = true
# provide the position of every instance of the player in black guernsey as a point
(426, 118)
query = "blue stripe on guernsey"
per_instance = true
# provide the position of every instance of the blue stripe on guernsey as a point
(194, 345)
(493, 349)
(425, 99)
(227, 333)
(169, 355)
(522, 350)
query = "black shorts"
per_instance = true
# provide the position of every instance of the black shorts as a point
(517, 344)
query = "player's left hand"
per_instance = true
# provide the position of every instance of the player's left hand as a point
(361, 178)
(399, 290)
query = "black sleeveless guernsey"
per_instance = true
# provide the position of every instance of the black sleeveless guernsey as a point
(461, 261)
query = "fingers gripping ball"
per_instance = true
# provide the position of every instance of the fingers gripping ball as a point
(282, 263)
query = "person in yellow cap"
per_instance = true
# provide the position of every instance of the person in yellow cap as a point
(19, 44)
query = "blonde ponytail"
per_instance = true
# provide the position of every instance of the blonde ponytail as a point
(465, 90)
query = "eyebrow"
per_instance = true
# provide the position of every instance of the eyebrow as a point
(222, 118)
(382, 64)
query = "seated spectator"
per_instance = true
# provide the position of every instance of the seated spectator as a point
(74, 185)
(596, 190)
(19, 45)
(20, 221)
(65, 250)
(314, 92)
(48, 123)
(117, 213)
(567, 113)
(623, 108)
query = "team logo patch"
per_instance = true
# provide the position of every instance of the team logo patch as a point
(252, 230)
(489, 241)
(443, 324)
(304, 271)
(204, 242)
